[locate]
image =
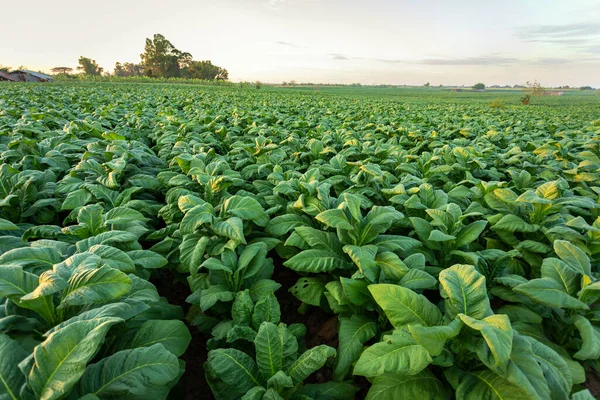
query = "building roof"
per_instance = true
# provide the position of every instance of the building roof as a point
(7, 76)
(36, 74)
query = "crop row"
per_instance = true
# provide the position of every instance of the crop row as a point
(456, 246)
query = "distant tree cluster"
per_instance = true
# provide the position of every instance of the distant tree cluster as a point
(89, 66)
(479, 86)
(128, 69)
(160, 59)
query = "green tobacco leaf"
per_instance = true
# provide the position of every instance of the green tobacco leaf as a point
(439, 236)
(235, 368)
(130, 373)
(320, 240)
(525, 371)
(50, 282)
(246, 208)
(434, 338)
(335, 218)
(191, 251)
(402, 306)
(329, 390)
(241, 310)
(549, 292)
(269, 350)
(423, 385)
(113, 257)
(232, 228)
(364, 258)
(262, 287)
(6, 225)
(76, 198)
(583, 395)
(172, 334)
(377, 221)
(488, 385)
(95, 286)
(282, 224)
(353, 333)
(266, 310)
(309, 290)
(11, 378)
(196, 217)
(416, 279)
(590, 335)
(280, 381)
(123, 215)
(559, 271)
(317, 261)
(357, 292)
(465, 292)
(14, 282)
(32, 259)
(310, 361)
(147, 259)
(512, 223)
(391, 265)
(573, 256)
(498, 335)
(210, 296)
(396, 354)
(470, 233)
(61, 359)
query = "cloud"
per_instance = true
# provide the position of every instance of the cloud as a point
(290, 45)
(274, 4)
(337, 56)
(484, 60)
(580, 31)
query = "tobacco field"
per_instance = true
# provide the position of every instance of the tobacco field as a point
(165, 241)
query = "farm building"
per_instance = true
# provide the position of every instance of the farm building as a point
(24, 75)
(5, 76)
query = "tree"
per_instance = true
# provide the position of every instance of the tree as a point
(162, 60)
(61, 70)
(427, 84)
(534, 88)
(89, 66)
(128, 69)
(205, 70)
(479, 86)
(4, 68)
(586, 88)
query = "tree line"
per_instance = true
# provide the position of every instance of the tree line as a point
(160, 59)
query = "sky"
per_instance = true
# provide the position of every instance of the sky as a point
(458, 42)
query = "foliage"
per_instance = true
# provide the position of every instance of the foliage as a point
(128, 69)
(457, 246)
(479, 86)
(89, 67)
(61, 70)
(162, 59)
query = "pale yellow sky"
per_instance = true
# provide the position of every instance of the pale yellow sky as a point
(335, 41)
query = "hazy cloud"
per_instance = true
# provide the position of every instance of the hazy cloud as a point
(581, 37)
(484, 60)
(487, 60)
(559, 32)
(290, 45)
(273, 4)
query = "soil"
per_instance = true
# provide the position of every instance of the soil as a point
(321, 329)
(192, 385)
(592, 382)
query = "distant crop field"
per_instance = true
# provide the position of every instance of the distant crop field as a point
(172, 241)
